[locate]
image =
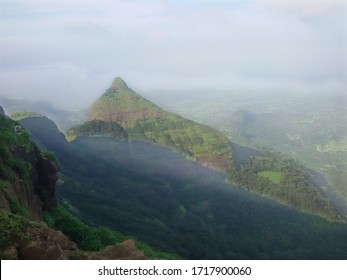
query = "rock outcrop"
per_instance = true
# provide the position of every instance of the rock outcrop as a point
(126, 250)
(37, 194)
(47, 244)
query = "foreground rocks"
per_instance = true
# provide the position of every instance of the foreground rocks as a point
(48, 244)
(126, 250)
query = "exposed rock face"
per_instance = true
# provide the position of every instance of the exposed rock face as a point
(39, 195)
(2, 112)
(217, 163)
(126, 250)
(47, 173)
(124, 117)
(41, 244)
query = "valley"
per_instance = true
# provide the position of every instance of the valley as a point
(186, 188)
(310, 128)
(177, 205)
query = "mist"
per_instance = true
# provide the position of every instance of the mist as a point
(68, 52)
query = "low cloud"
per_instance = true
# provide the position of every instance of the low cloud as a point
(75, 48)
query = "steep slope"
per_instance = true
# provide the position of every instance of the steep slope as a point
(27, 190)
(143, 120)
(27, 175)
(121, 104)
(27, 182)
(177, 205)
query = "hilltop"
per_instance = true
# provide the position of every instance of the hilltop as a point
(143, 120)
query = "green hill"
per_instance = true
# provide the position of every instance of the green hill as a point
(143, 120)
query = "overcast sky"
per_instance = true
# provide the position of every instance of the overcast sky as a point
(60, 48)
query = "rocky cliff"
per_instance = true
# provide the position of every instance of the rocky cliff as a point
(27, 176)
(27, 189)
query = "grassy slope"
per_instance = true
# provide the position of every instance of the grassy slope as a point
(274, 176)
(145, 121)
(22, 115)
(12, 135)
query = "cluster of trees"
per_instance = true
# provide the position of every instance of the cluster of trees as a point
(94, 238)
(12, 227)
(182, 135)
(294, 187)
(97, 128)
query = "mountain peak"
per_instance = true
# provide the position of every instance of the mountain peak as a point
(118, 84)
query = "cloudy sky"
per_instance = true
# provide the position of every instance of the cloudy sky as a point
(74, 48)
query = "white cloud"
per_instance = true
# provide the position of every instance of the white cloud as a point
(156, 43)
(305, 6)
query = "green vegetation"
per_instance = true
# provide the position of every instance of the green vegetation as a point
(22, 115)
(175, 205)
(12, 134)
(308, 127)
(273, 176)
(50, 156)
(12, 227)
(143, 120)
(278, 177)
(94, 239)
(15, 206)
(13, 138)
(97, 128)
(333, 146)
(194, 140)
(124, 106)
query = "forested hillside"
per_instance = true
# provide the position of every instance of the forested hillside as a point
(178, 206)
